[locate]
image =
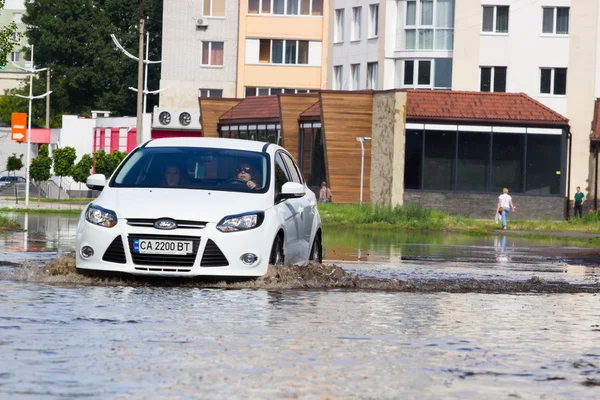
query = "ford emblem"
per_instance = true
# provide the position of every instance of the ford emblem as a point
(165, 224)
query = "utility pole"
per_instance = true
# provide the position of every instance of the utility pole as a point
(48, 98)
(140, 112)
(31, 71)
(362, 141)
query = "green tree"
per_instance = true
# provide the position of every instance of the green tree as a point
(107, 163)
(7, 40)
(64, 160)
(14, 163)
(83, 168)
(88, 72)
(40, 168)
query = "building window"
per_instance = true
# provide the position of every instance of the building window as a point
(311, 153)
(429, 25)
(263, 133)
(356, 23)
(277, 51)
(553, 81)
(355, 75)
(338, 82)
(373, 20)
(17, 17)
(424, 74)
(372, 75)
(214, 8)
(286, 7)
(214, 93)
(251, 91)
(555, 20)
(212, 53)
(493, 79)
(339, 26)
(495, 19)
(15, 56)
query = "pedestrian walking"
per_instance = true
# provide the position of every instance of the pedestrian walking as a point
(578, 203)
(505, 205)
(325, 194)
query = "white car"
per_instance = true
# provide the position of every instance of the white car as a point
(187, 207)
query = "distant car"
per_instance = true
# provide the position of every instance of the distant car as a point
(187, 207)
(5, 180)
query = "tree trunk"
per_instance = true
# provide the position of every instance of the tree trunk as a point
(38, 189)
(59, 188)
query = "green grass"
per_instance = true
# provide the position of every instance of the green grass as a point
(72, 200)
(63, 211)
(416, 217)
(7, 223)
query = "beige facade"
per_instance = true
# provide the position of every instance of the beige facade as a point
(267, 40)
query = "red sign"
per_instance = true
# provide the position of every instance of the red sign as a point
(19, 127)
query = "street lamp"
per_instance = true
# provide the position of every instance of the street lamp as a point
(362, 141)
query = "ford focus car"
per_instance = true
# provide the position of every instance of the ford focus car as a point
(190, 207)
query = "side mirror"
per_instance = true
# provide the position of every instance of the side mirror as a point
(96, 181)
(291, 190)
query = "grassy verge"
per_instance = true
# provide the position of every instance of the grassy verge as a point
(63, 211)
(7, 223)
(82, 200)
(417, 217)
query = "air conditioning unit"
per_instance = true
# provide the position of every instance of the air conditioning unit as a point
(176, 118)
(201, 22)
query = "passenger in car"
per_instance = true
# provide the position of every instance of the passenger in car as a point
(172, 176)
(246, 173)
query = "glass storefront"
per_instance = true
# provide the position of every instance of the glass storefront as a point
(260, 132)
(311, 155)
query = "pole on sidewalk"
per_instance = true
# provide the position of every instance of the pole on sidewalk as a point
(27, 166)
(48, 98)
(140, 85)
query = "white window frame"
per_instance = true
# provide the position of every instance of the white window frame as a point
(15, 56)
(356, 26)
(552, 78)
(492, 77)
(211, 10)
(372, 75)
(555, 22)
(494, 20)
(373, 21)
(415, 84)
(271, 90)
(285, 9)
(417, 27)
(17, 18)
(354, 76)
(285, 41)
(338, 77)
(210, 44)
(338, 34)
(208, 93)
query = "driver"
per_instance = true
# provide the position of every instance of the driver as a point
(246, 173)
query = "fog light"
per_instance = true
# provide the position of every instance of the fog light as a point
(87, 252)
(249, 258)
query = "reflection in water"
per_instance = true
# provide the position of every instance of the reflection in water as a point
(502, 254)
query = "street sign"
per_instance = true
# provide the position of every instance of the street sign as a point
(19, 127)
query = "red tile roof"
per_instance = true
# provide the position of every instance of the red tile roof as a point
(312, 111)
(455, 105)
(253, 108)
(595, 136)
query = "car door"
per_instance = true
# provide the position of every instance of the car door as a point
(286, 209)
(304, 206)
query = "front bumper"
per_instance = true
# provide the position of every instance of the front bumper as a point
(215, 253)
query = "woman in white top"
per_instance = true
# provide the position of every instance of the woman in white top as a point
(505, 201)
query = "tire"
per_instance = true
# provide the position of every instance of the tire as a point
(277, 256)
(316, 251)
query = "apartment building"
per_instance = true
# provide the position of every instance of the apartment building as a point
(282, 46)
(199, 51)
(11, 76)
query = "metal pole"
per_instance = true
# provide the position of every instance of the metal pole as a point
(146, 72)
(140, 93)
(362, 166)
(28, 161)
(48, 98)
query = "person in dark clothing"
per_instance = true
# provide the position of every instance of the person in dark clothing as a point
(578, 203)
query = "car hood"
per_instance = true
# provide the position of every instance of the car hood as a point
(184, 204)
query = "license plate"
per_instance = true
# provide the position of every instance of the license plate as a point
(153, 246)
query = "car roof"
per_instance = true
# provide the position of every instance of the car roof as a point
(237, 144)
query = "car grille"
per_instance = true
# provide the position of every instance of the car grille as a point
(163, 269)
(181, 224)
(164, 259)
(213, 256)
(115, 253)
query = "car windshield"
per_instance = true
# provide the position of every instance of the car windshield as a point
(195, 168)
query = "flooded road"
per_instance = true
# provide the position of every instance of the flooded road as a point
(89, 339)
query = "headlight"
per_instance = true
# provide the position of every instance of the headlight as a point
(100, 216)
(242, 222)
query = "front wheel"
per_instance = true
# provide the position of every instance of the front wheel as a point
(277, 256)
(316, 252)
